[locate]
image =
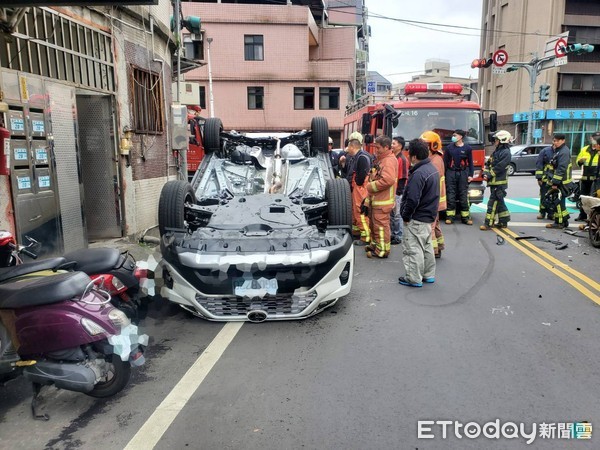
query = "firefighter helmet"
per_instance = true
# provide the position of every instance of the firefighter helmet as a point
(503, 136)
(356, 135)
(433, 140)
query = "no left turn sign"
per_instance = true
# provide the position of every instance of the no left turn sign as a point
(500, 58)
(559, 46)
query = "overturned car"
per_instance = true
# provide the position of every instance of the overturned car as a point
(262, 232)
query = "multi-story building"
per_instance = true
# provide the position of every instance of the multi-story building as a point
(521, 28)
(85, 95)
(273, 67)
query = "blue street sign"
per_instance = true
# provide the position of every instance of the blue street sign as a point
(371, 87)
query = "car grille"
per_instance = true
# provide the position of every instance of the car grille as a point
(273, 305)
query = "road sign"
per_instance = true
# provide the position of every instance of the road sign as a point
(500, 58)
(559, 47)
(561, 61)
(550, 50)
(498, 70)
(371, 87)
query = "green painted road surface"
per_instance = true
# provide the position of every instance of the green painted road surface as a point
(519, 205)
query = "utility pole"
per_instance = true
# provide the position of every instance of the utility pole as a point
(177, 14)
(534, 68)
(210, 83)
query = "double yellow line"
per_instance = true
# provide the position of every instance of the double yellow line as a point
(558, 268)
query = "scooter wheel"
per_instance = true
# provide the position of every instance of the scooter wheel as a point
(117, 378)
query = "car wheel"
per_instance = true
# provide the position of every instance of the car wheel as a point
(173, 197)
(594, 227)
(212, 135)
(320, 135)
(339, 202)
(511, 169)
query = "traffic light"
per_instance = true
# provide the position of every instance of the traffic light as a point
(544, 92)
(481, 63)
(578, 48)
(512, 68)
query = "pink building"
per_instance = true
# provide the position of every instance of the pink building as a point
(273, 67)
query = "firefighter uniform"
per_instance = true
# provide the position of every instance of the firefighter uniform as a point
(382, 196)
(588, 160)
(436, 231)
(560, 183)
(358, 171)
(543, 172)
(436, 156)
(496, 175)
(459, 168)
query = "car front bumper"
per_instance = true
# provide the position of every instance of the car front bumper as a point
(259, 303)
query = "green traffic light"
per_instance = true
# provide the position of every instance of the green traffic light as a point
(512, 69)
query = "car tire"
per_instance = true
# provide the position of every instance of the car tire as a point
(213, 127)
(171, 212)
(511, 169)
(339, 202)
(594, 227)
(320, 135)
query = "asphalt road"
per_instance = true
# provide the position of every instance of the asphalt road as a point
(507, 333)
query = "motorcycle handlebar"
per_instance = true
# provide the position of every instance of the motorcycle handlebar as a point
(28, 253)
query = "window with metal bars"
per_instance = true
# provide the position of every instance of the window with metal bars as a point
(50, 44)
(147, 101)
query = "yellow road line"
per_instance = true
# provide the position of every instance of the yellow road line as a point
(554, 269)
(556, 262)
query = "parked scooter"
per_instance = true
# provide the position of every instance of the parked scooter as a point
(61, 329)
(111, 270)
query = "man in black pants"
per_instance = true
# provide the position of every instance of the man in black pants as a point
(458, 159)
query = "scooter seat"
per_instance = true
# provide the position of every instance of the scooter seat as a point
(6, 273)
(94, 260)
(43, 290)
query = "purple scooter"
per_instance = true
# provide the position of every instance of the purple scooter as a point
(61, 329)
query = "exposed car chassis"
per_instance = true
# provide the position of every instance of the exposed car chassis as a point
(261, 233)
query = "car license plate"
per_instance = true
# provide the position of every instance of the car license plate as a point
(245, 287)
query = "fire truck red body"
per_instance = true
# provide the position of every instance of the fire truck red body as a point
(425, 106)
(195, 151)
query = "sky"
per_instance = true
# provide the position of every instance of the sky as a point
(396, 48)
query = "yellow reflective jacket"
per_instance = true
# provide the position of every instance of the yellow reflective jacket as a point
(588, 160)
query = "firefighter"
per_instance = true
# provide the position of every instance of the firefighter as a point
(496, 175)
(587, 159)
(382, 196)
(543, 171)
(436, 156)
(560, 182)
(458, 159)
(359, 165)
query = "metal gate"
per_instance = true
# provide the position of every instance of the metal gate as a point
(97, 150)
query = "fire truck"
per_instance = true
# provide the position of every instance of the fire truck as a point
(439, 107)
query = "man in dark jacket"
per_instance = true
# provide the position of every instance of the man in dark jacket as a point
(496, 175)
(542, 169)
(419, 210)
(560, 182)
